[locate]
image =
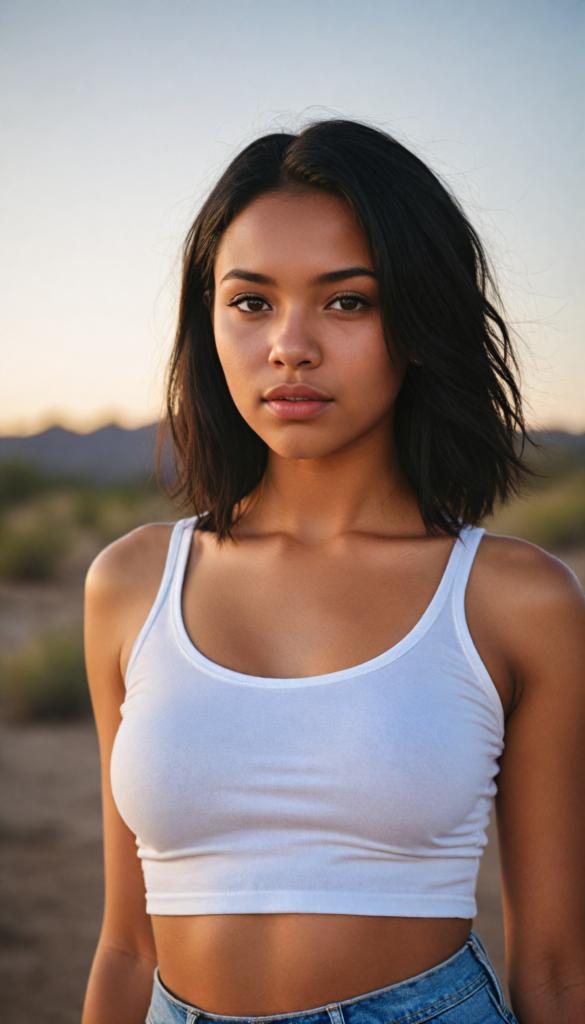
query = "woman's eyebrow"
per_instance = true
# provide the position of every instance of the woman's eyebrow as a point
(247, 275)
(342, 275)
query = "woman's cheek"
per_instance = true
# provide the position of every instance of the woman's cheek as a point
(368, 375)
(242, 361)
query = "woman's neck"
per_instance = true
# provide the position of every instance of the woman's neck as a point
(360, 488)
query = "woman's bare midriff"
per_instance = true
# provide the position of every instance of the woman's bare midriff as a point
(264, 964)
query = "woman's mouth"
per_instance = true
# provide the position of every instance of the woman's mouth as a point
(296, 402)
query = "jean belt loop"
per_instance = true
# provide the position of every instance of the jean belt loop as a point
(335, 1014)
(192, 1016)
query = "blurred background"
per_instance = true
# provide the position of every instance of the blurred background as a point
(117, 115)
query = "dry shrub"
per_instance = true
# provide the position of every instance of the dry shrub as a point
(31, 553)
(46, 679)
(20, 481)
(552, 515)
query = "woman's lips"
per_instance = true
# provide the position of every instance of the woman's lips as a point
(296, 408)
(300, 402)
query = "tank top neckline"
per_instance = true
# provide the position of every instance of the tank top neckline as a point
(211, 668)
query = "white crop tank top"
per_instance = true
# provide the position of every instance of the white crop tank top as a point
(365, 791)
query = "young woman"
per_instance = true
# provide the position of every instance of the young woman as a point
(301, 691)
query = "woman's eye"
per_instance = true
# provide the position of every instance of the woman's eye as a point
(347, 303)
(250, 304)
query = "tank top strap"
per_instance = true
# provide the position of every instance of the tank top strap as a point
(468, 544)
(177, 554)
(469, 539)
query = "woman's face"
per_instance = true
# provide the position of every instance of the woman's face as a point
(297, 325)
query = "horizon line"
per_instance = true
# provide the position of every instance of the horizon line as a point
(83, 431)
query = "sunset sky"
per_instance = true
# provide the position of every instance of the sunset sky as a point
(118, 114)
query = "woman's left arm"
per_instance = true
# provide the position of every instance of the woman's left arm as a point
(538, 612)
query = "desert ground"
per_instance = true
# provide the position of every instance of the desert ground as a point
(50, 836)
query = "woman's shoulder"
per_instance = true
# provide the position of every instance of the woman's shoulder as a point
(132, 564)
(526, 612)
(523, 573)
(523, 601)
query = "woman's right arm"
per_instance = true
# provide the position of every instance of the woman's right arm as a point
(121, 587)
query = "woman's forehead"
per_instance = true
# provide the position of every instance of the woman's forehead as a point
(284, 228)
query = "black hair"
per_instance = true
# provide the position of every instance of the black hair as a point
(458, 418)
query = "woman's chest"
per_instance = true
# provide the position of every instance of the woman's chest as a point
(394, 758)
(286, 612)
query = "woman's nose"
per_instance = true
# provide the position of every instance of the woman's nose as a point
(293, 344)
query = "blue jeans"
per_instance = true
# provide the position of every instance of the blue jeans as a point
(462, 990)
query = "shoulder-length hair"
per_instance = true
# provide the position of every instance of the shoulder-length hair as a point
(458, 416)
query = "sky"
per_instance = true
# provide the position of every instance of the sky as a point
(118, 115)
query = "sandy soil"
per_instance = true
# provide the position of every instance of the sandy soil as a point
(50, 869)
(50, 841)
(27, 609)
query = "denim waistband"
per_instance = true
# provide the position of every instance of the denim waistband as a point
(409, 1002)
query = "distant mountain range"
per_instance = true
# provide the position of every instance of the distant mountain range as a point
(114, 455)
(109, 455)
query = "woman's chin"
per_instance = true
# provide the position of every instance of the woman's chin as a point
(306, 451)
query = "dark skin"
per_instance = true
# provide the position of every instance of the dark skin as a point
(330, 565)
